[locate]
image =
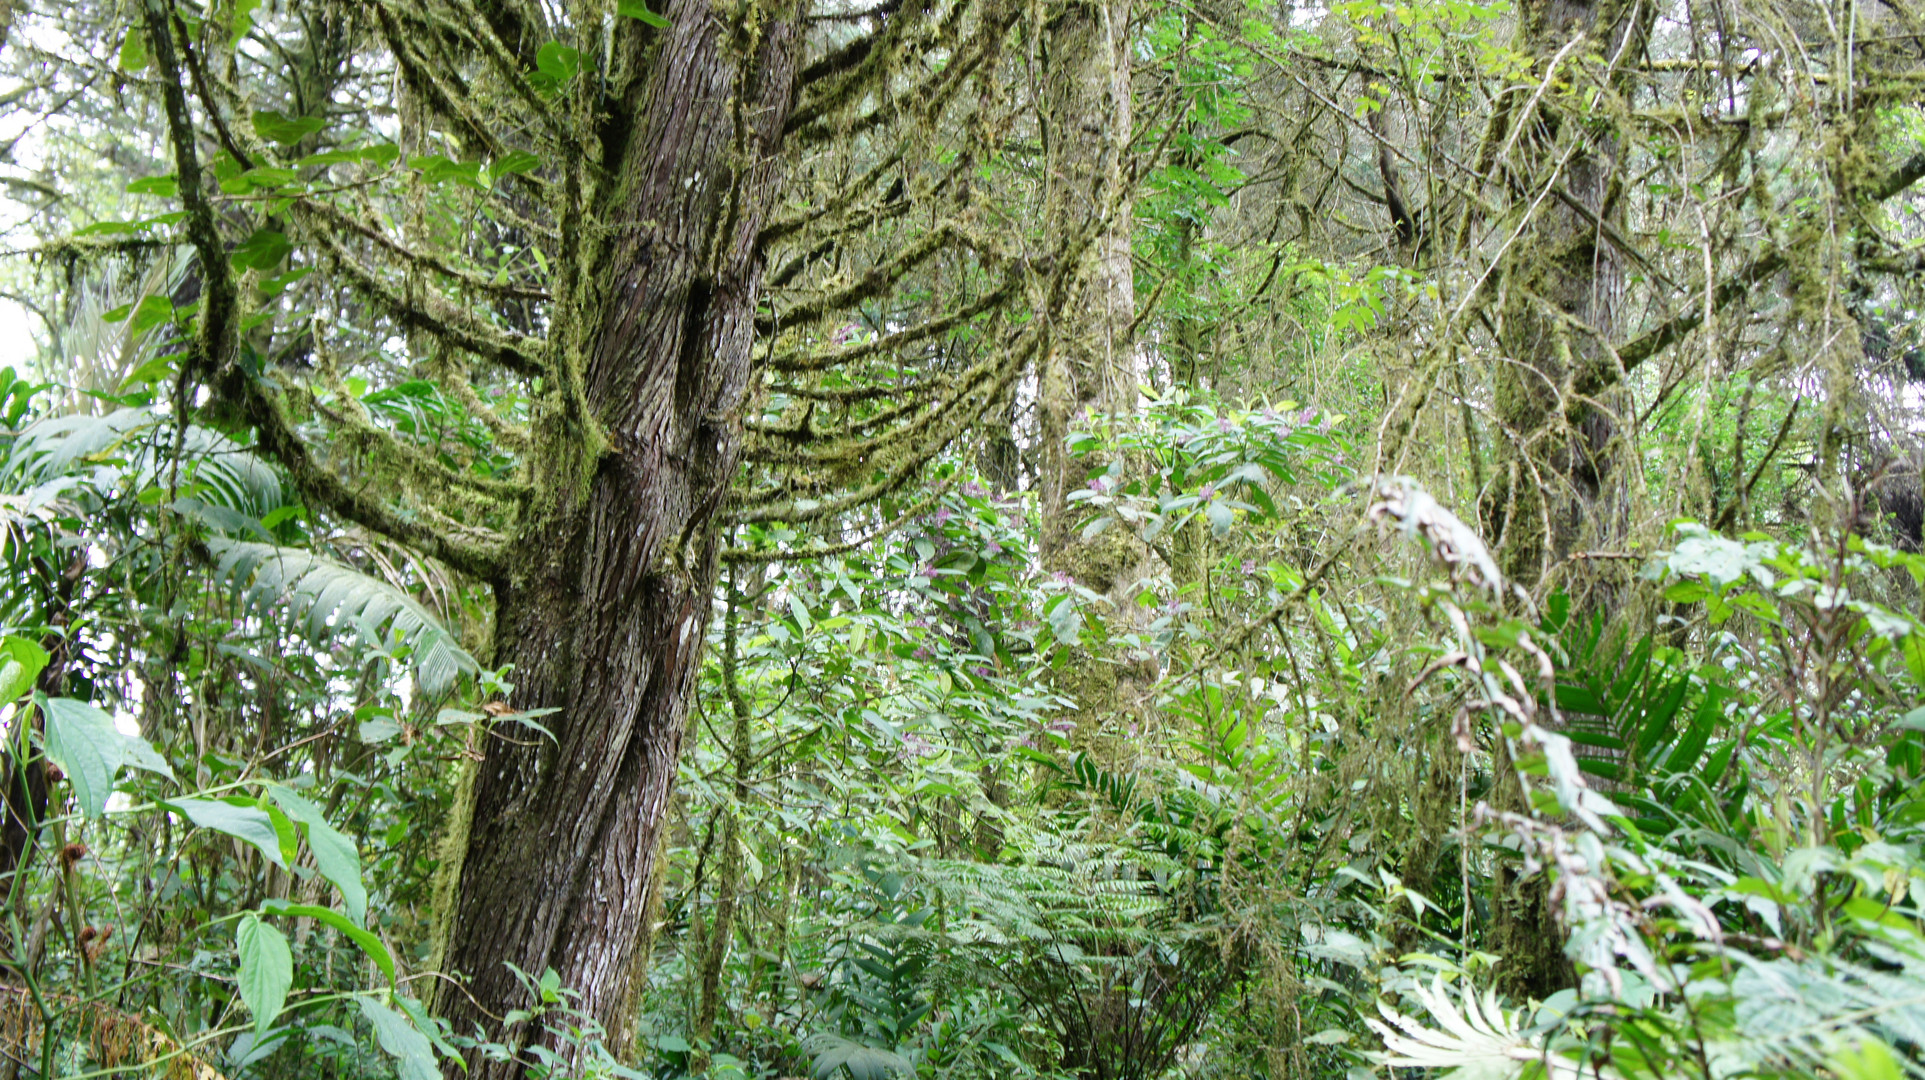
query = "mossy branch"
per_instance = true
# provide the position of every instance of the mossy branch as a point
(217, 338)
(323, 216)
(811, 360)
(434, 316)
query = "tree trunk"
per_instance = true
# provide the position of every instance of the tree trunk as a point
(1560, 483)
(1091, 364)
(606, 607)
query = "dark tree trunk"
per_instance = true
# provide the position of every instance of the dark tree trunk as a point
(1560, 482)
(605, 610)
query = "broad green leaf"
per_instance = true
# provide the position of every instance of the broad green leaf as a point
(262, 251)
(1221, 518)
(515, 161)
(413, 1053)
(637, 9)
(149, 313)
(266, 969)
(334, 854)
(436, 169)
(555, 64)
(369, 944)
(83, 741)
(286, 131)
(133, 51)
(237, 817)
(21, 662)
(164, 186)
(240, 20)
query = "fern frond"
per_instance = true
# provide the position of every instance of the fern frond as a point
(1480, 1041)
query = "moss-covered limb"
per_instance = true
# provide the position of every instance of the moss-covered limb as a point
(1615, 235)
(204, 88)
(813, 360)
(324, 217)
(476, 26)
(785, 505)
(1601, 375)
(856, 444)
(519, 23)
(431, 78)
(845, 76)
(432, 315)
(925, 99)
(215, 342)
(836, 218)
(880, 278)
(425, 474)
(917, 510)
(449, 374)
(471, 551)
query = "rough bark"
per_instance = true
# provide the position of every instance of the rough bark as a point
(605, 608)
(1091, 366)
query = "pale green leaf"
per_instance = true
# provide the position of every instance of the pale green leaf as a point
(413, 1053)
(266, 969)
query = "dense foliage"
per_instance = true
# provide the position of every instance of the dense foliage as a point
(1268, 539)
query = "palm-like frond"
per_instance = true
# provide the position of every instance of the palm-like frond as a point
(1479, 1041)
(138, 446)
(833, 1053)
(329, 594)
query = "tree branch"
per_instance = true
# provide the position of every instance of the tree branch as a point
(217, 338)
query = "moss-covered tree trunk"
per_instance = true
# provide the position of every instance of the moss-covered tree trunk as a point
(605, 608)
(1560, 482)
(1091, 365)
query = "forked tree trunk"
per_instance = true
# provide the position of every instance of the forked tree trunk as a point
(605, 610)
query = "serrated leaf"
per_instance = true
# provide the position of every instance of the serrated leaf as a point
(266, 970)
